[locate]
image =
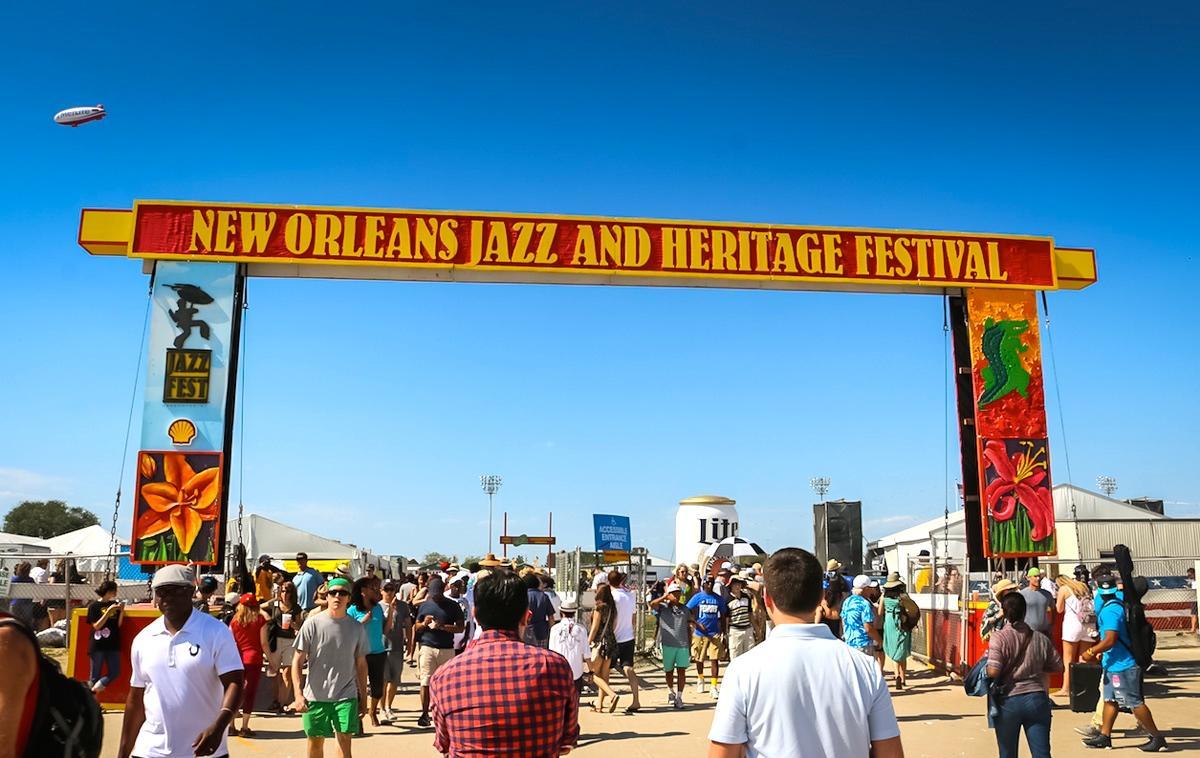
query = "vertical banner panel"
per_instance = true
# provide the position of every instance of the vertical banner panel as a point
(180, 503)
(1010, 421)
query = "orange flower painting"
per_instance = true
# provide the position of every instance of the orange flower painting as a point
(178, 507)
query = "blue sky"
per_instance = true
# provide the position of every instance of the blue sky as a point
(371, 408)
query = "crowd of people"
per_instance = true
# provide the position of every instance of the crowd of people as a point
(39, 614)
(1018, 624)
(502, 666)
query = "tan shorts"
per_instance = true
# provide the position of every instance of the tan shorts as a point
(706, 648)
(740, 641)
(429, 660)
(281, 659)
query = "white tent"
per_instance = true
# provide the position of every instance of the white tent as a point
(91, 543)
(90, 540)
(21, 544)
(264, 536)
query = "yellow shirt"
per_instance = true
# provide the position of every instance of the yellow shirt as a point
(263, 586)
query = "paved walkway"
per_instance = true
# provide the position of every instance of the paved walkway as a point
(937, 719)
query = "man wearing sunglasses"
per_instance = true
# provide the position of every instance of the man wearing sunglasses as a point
(335, 694)
(187, 677)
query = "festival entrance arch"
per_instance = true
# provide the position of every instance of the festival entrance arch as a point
(200, 254)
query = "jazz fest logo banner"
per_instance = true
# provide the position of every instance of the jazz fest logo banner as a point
(178, 509)
(1010, 421)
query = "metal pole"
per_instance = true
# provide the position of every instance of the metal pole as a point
(490, 543)
(68, 569)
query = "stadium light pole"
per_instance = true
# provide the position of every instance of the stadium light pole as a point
(490, 484)
(1108, 484)
(820, 485)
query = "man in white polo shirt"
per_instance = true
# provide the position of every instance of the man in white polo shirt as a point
(187, 677)
(802, 692)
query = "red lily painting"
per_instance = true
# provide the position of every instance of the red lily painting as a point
(1020, 506)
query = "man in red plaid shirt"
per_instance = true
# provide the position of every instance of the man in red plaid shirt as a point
(501, 697)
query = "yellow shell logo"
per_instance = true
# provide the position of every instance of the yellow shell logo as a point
(181, 431)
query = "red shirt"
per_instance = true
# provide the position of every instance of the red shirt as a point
(502, 698)
(249, 639)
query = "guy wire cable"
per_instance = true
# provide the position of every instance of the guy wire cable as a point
(1062, 425)
(137, 374)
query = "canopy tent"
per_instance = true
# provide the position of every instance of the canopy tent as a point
(264, 536)
(91, 543)
(21, 544)
(90, 540)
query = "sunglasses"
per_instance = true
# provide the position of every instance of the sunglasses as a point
(338, 593)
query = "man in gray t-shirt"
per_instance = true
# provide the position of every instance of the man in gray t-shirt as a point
(1039, 604)
(335, 648)
(675, 632)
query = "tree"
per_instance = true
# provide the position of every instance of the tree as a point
(434, 558)
(46, 519)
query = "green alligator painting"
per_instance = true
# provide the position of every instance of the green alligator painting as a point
(1002, 347)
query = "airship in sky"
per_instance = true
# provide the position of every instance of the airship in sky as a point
(80, 115)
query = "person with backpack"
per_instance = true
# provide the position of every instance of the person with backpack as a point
(1124, 664)
(1074, 604)
(45, 712)
(898, 623)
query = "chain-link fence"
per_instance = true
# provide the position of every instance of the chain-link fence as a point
(573, 576)
(42, 589)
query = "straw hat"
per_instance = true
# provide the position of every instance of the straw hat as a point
(893, 581)
(490, 561)
(1002, 586)
(833, 565)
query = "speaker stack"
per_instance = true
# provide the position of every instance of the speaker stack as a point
(837, 526)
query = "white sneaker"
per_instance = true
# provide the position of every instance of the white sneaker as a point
(98, 686)
(716, 692)
(385, 715)
(699, 688)
(672, 698)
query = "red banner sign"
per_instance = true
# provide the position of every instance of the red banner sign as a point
(545, 247)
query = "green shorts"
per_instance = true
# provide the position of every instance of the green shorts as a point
(675, 658)
(322, 719)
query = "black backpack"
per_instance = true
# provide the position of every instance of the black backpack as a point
(66, 721)
(1142, 638)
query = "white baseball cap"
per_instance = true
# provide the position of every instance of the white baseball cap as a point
(862, 582)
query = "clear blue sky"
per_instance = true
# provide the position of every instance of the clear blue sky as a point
(371, 408)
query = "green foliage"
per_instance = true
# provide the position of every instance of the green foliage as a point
(46, 519)
(431, 558)
(1014, 536)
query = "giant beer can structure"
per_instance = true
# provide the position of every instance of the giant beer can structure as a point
(701, 521)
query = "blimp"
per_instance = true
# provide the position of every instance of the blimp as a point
(80, 115)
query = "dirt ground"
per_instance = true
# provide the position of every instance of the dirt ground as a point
(936, 719)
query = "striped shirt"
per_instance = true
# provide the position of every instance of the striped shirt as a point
(739, 612)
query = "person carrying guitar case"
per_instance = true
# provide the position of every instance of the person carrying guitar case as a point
(1126, 643)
